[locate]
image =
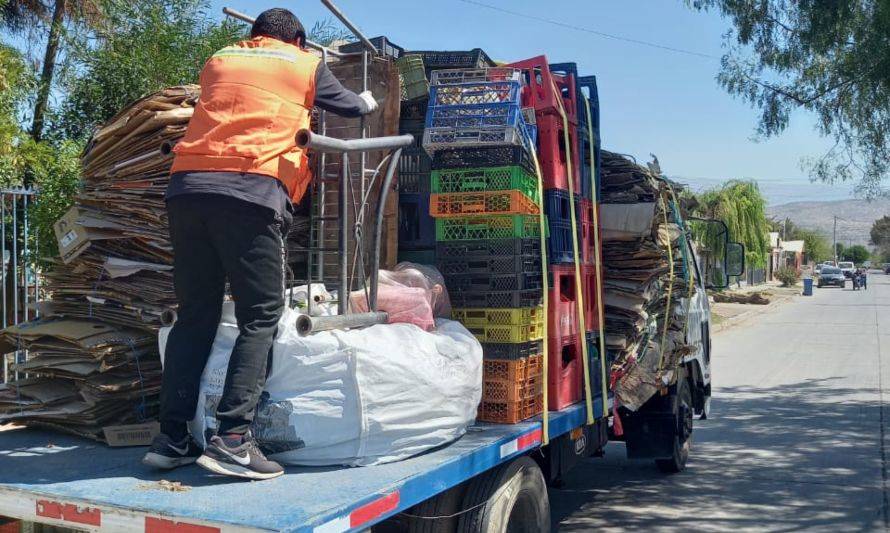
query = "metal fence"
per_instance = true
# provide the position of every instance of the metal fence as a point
(20, 275)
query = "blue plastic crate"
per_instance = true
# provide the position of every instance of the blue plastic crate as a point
(417, 229)
(473, 115)
(588, 83)
(490, 92)
(559, 223)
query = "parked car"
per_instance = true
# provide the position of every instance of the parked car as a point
(886, 268)
(831, 276)
(818, 269)
(847, 267)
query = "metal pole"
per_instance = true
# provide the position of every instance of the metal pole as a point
(25, 256)
(343, 217)
(322, 191)
(363, 157)
(378, 226)
(15, 271)
(320, 143)
(834, 241)
(369, 46)
(3, 245)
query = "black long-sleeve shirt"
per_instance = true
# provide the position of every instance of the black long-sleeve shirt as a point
(260, 189)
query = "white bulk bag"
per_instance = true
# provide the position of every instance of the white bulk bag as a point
(356, 397)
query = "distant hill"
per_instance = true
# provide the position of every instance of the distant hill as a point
(857, 215)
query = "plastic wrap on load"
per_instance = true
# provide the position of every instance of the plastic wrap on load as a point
(403, 305)
(425, 277)
(357, 397)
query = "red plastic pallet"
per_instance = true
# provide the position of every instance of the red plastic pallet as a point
(538, 91)
(552, 154)
(565, 371)
(562, 314)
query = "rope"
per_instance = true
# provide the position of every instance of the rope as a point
(579, 292)
(596, 246)
(670, 289)
(545, 284)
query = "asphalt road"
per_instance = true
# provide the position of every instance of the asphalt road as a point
(796, 440)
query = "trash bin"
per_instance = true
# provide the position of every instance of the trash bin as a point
(808, 286)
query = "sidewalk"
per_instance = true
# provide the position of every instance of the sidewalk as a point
(726, 315)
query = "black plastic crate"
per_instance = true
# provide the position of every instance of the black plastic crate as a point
(512, 351)
(506, 264)
(438, 60)
(382, 43)
(526, 298)
(414, 109)
(489, 248)
(412, 126)
(417, 229)
(494, 282)
(414, 171)
(483, 156)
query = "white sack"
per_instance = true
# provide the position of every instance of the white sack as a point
(358, 397)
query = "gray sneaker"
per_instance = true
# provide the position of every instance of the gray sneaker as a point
(239, 456)
(165, 453)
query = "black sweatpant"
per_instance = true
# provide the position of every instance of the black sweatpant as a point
(216, 238)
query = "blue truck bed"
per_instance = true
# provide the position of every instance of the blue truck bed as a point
(53, 478)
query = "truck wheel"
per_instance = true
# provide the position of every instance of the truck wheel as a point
(511, 497)
(437, 514)
(683, 433)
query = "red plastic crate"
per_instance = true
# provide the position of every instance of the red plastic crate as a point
(565, 371)
(562, 315)
(588, 286)
(586, 243)
(552, 154)
(538, 91)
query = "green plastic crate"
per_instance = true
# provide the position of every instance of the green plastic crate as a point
(486, 179)
(487, 227)
(412, 77)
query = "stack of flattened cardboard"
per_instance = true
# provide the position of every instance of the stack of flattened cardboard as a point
(93, 361)
(116, 259)
(645, 299)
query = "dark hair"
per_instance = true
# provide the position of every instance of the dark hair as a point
(280, 24)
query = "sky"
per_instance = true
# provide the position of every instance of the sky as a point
(652, 100)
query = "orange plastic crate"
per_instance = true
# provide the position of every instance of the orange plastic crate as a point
(514, 371)
(510, 412)
(482, 203)
(512, 391)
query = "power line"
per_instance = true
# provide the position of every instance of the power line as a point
(588, 30)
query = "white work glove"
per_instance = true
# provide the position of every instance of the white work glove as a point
(368, 98)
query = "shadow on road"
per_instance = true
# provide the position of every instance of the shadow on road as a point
(780, 459)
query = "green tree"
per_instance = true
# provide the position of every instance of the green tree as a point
(742, 208)
(175, 38)
(856, 253)
(880, 232)
(51, 16)
(817, 247)
(839, 249)
(826, 57)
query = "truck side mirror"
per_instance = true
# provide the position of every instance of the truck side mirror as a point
(735, 259)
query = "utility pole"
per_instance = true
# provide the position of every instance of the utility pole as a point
(834, 240)
(784, 223)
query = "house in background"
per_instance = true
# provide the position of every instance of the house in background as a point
(784, 254)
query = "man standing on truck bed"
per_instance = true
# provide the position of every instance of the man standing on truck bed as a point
(234, 177)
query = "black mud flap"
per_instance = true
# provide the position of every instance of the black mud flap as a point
(649, 435)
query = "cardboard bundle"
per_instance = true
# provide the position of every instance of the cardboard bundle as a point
(92, 358)
(116, 259)
(645, 299)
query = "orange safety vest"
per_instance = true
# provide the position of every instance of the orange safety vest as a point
(255, 96)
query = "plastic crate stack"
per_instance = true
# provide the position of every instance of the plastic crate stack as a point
(550, 89)
(417, 239)
(486, 204)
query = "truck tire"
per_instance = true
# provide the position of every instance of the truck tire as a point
(683, 434)
(436, 515)
(511, 497)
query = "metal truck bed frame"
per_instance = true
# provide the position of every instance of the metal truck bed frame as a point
(51, 478)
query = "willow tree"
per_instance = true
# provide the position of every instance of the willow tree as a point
(742, 208)
(830, 58)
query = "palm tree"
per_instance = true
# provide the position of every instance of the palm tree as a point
(19, 15)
